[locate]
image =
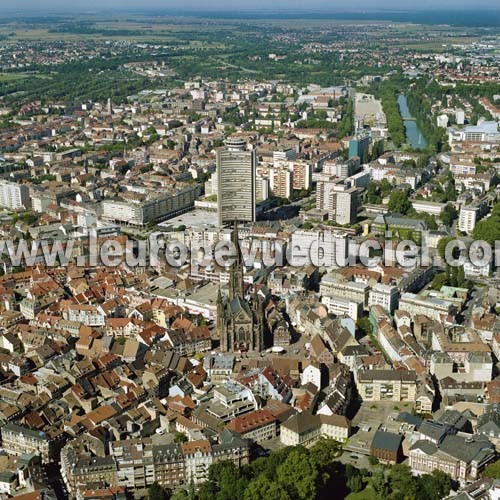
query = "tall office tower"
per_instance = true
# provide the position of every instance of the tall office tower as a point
(236, 182)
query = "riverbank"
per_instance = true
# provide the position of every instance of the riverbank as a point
(413, 134)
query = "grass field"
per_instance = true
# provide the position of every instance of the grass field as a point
(366, 494)
(8, 77)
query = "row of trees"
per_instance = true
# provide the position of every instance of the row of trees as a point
(346, 125)
(395, 124)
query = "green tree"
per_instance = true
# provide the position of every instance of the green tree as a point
(434, 486)
(157, 492)
(355, 481)
(298, 475)
(262, 488)
(439, 281)
(442, 244)
(379, 484)
(364, 325)
(402, 482)
(493, 470)
(179, 437)
(449, 214)
(180, 495)
(225, 482)
(399, 202)
(324, 452)
(488, 230)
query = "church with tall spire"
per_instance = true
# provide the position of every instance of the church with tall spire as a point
(240, 322)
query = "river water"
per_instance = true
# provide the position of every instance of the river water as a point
(413, 133)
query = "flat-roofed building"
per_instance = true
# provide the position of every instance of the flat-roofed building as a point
(431, 307)
(14, 196)
(331, 286)
(387, 385)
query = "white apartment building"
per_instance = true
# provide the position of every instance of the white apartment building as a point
(428, 306)
(340, 200)
(14, 196)
(150, 210)
(343, 206)
(472, 271)
(86, 314)
(322, 247)
(384, 295)
(343, 307)
(330, 286)
(468, 218)
(284, 155)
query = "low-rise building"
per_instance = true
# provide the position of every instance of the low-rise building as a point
(463, 457)
(305, 429)
(17, 440)
(387, 447)
(258, 425)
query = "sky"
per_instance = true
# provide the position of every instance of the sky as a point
(39, 6)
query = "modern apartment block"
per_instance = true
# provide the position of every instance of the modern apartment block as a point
(428, 306)
(384, 295)
(387, 385)
(340, 200)
(236, 182)
(302, 175)
(358, 145)
(284, 155)
(332, 287)
(281, 182)
(14, 196)
(468, 218)
(156, 209)
(322, 247)
(340, 306)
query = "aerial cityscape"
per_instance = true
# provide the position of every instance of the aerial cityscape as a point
(249, 253)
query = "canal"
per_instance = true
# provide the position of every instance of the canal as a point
(413, 134)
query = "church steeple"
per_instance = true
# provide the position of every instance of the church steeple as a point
(221, 322)
(236, 286)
